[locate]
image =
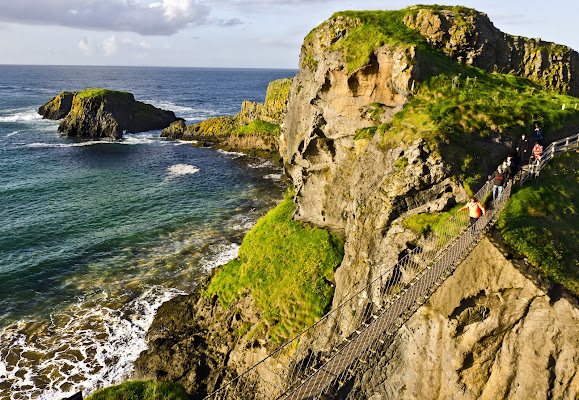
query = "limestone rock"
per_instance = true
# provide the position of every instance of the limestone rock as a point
(492, 330)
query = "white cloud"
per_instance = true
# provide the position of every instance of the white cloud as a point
(85, 46)
(109, 45)
(160, 18)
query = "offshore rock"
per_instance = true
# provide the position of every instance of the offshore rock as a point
(100, 113)
(254, 130)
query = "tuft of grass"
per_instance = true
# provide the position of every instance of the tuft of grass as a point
(287, 267)
(426, 223)
(259, 126)
(540, 221)
(141, 390)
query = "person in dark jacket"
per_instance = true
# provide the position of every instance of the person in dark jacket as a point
(523, 150)
(498, 179)
(538, 134)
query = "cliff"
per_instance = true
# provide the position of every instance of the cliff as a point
(493, 330)
(395, 114)
(98, 113)
(255, 129)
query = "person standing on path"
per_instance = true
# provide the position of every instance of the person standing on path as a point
(475, 211)
(523, 150)
(498, 179)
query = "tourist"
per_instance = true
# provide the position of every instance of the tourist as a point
(538, 133)
(523, 150)
(537, 153)
(498, 178)
(475, 210)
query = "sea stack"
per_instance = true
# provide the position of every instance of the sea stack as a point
(102, 113)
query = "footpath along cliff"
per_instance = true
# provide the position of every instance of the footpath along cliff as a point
(393, 119)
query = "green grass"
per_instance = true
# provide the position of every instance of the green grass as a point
(426, 223)
(540, 221)
(259, 126)
(141, 390)
(287, 267)
(89, 93)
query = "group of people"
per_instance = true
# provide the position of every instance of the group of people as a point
(507, 170)
(525, 153)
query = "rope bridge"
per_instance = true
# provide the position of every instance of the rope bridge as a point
(326, 355)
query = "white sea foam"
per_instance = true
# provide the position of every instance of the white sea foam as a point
(232, 154)
(181, 169)
(13, 133)
(189, 113)
(64, 145)
(22, 116)
(221, 254)
(273, 177)
(72, 354)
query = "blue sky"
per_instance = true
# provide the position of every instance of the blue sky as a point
(220, 33)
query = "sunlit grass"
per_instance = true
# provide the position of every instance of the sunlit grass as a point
(540, 221)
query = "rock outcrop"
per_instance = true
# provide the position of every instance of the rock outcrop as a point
(100, 113)
(470, 37)
(254, 130)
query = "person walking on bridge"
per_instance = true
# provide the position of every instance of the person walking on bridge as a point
(475, 211)
(498, 178)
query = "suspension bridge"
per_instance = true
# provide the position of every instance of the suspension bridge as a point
(326, 355)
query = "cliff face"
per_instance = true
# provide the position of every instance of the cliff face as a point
(364, 189)
(101, 113)
(491, 331)
(470, 37)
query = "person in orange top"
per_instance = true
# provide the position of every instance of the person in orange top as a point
(475, 210)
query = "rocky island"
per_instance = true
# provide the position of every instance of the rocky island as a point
(102, 113)
(394, 118)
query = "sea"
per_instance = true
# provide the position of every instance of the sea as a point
(96, 234)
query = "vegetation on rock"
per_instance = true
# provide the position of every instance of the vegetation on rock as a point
(288, 269)
(540, 221)
(141, 390)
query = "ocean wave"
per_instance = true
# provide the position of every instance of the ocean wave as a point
(181, 169)
(90, 345)
(188, 113)
(221, 255)
(232, 154)
(64, 145)
(13, 133)
(22, 116)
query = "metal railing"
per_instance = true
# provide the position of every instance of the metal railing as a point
(560, 146)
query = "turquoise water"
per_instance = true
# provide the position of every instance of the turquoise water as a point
(95, 235)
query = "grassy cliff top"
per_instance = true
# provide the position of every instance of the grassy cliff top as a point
(94, 93)
(541, 218)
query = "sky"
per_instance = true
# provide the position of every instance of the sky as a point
(220, 33)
